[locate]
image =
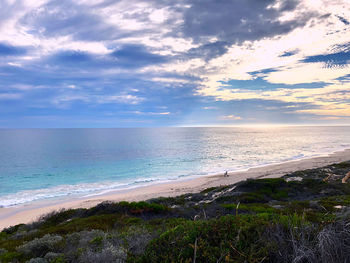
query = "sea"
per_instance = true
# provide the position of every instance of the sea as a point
(40, 164)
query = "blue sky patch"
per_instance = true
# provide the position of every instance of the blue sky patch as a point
(339, 59)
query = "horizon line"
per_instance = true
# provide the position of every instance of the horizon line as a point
(186, 126)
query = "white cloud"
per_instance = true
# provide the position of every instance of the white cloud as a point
(209, 108)
(306, 73)
(231, 117)
(320, 36)
(10, 96)
(64, 101)
(127, 99)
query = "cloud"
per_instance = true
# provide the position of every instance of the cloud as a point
(71, 58)
(302, 66)
(69, 18)
(10, 96)
(9, 9)
(127, 98)
(296, 73)
(135, 56)
(238, 21)
(231, 117)
(208, 51)
(126, 57)
(332, 99)
(209, 108)
(65, 101)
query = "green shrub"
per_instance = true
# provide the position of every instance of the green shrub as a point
(94, 246)
(103, 222)
(2, 251)
(37, 260)
(40, 246)
(54, 257)
(252, 197)
(342, 165)
(233, 238)
(252, 207)
(13, 229)
(10, 257)
(207, 190)
(137, 238)
(143, 207)
(56, 217)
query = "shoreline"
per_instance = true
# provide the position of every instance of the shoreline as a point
(137, 183)
(29, 212)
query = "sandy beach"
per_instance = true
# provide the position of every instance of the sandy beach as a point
(29, 212)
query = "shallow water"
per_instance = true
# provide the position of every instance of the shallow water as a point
(45, 163)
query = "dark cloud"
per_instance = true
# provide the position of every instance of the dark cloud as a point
(83, 22)
(72, 57)
(208, 51)
(235, 21)
(128, 56)
(136, 56)
(9, 50)
(288, 5)
(229, 21)
(340, 59)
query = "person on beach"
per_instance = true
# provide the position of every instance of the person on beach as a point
(225, 174)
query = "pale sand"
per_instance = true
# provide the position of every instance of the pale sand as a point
(29, 212)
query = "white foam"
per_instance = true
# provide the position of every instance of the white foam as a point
(82, 190)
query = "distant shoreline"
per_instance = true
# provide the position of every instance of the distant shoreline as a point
(31, 211)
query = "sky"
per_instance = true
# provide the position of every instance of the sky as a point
(135, 63)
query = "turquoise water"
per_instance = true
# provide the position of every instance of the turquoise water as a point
(47, 163)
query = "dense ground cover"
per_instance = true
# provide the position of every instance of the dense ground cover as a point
(301, 217)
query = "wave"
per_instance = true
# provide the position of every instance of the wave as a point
(78, 190)
(99, 188)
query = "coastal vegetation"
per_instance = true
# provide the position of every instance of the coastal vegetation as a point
(300, 217)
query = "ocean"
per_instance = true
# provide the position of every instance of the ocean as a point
(38, 164)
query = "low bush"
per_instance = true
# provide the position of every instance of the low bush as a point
(40, 246)
(252, 207)
(342, 165)
(108, 254)
(232, 238)
(9, 257)
(37, 260)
